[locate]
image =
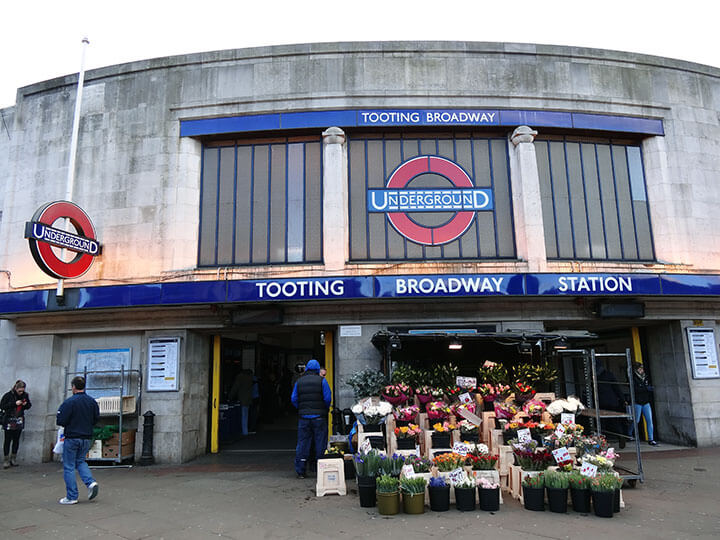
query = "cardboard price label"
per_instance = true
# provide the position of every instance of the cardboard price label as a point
(567, 418)
(366, 446)
(472, 418)
(465, 398)
(367, 403)
(461, 448)
(408, 471)
(466, 382)
(456, 476)
(562, 455)
(589, 470)
(524, 435)
(560, 430)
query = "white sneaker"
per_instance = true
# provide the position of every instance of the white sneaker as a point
(93, 491)
(65, 500)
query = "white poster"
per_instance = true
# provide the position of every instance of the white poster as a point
(703, 353)
(163, 357)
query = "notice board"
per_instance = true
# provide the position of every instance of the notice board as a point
(163, 358)
(703, 353)
(108, 362)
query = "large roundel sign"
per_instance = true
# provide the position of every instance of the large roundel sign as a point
(44, 240)
(398, 199)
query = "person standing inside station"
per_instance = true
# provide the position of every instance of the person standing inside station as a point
(311, 396)
(14, 404)
(77, 414)
(242, 392)
(643, 390)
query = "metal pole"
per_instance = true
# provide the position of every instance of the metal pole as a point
(70, 183)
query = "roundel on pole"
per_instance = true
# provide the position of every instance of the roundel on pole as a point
(43, 237)
(430, 236)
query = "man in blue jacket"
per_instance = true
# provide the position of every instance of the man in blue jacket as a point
(311, 396)
(78, 414)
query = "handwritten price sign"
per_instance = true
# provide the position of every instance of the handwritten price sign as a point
(562, 455)
(465, 398)
(589, 470)
(567, 418)
(524, 435)
(461, 448)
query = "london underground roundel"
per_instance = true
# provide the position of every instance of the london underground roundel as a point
(44, 240)
(397, 200)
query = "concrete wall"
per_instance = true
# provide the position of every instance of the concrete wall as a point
(354, 354)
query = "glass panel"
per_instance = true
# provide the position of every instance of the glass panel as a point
(375, 180)
(358, 214)
(208, 209)
(295, 202)
(503, 203)
(577, 201)
(313, 202)
(226, 206)
(243, 215)
(260, 200)
(542, 152)
(561, 200)
(592, 198)
(607, 196)
(625, 209)
(278, 203)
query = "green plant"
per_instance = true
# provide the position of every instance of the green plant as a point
(493, 374)
(605, 482)
(532, 374)
(465, 483)
(366, 383)
(387, 484)
(413, 485)
(444, 375)
(578, 481)
(409, 375)
(105, 432)
(368, 464)
(420, 464)
(556, 480)
(392, 465)
(537, 481)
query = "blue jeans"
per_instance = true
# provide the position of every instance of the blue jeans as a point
(646, 411)
(74, 452)
(310, 430)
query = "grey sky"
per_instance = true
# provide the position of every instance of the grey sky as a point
(42, 39)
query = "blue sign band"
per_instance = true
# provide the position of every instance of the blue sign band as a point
(449, 285)
(592, 284)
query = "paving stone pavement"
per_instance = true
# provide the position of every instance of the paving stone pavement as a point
(239, 496)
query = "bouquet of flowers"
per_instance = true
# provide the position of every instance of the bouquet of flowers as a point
(423, 394)
(437, 410)
(371, 413)
(452, 392)
(444, 427)
(406, 414)
(522, 391)
(437, 393)
(487, 391)
(559, 406)
(419, 464)
(408, 432)
(481, 462)
(468, 428)
(533, 407)
(396, 394)
(595, 444)
(470, 407)
(505, 411)
(602, 462)
(532, 458)
(448, 462)
(492, 373)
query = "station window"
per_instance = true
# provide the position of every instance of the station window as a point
(261, 202)
(594, 200)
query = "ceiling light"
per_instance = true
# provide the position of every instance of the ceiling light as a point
(561, 343)
(455, 345)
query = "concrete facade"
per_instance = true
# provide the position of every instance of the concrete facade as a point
(140, 181)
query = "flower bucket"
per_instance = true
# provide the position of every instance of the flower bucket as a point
(402, 423)
(441, 440)
(406, 444)
(580, 500)
(473, 438)
(373, 428)
(413, 503)
(366, 489)
(616, 502)
(439, 498)
(603, 503)
(377, 442)
(534, 498)
(388, 504)
(489, 499)
(465, 499)
(557, 499)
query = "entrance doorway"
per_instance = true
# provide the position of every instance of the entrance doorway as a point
(257, 375)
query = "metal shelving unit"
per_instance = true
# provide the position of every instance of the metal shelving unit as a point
(122, 381)
(589, 366)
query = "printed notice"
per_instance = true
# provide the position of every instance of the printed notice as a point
(703, 352)
(163, 364)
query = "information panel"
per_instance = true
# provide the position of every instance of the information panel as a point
(703, 353)
(106, 365)
(163, 355)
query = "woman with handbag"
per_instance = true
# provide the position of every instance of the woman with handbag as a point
(14, 404)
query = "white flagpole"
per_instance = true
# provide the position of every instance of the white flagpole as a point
(70, 184)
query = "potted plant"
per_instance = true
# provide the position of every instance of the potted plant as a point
(413, 494)
(489, 495)
(407, 436)
(406, 415)
(442, 434)
(448, 461)
(439, 491)
(367, 467)
(556, 484)
(533, 488)
(531, 458)
(469, 432)
(603, 489)
(465, 493)
(391, 465)
(579, 492)
(388, 495)
(420, 465)
(366, 383)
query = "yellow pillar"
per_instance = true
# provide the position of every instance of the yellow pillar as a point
(330, 368)
(215, 404)
(637, 357)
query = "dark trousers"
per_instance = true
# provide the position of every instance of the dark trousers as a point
(11, 436)
(310, 430)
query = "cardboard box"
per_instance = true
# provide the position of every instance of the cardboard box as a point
(128, 437)
(111, 450)
(95, 451)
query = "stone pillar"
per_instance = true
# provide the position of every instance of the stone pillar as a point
(335, 200)
(527, 208)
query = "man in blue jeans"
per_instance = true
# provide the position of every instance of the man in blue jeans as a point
(311, 396)
(78, 414)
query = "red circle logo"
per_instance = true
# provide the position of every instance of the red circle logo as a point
(42, 238)
(430, 236)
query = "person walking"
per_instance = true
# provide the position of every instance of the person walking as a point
(643, 390)
(14, 404)
(241, 392)
(77, 414)
(311, 396)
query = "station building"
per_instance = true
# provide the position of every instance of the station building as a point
(363, 204)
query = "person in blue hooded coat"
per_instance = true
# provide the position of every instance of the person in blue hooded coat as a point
(311, 396)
